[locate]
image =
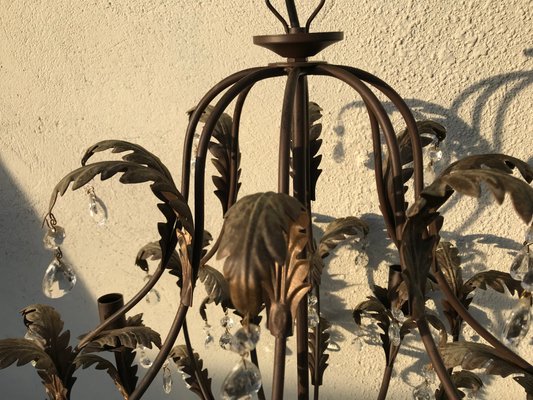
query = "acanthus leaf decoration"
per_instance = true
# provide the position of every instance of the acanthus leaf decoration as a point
(318, 344)
(181, 358)
(254, 239)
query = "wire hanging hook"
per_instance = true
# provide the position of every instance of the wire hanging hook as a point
(293, 15)
(277, 15)
(314, 14)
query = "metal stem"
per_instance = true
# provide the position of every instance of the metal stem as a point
(300, 152)
(293, 14)
(278, 376)
(204, 387)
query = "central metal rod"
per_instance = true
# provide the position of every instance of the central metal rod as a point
(293, 14)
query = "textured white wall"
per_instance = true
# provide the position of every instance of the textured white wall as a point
(74, 73)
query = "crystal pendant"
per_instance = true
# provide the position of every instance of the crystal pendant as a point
(435, 153)
(58, 280)
(54, 237)
(209, 340)
(153, 296)
(312, 317)
(521, 265)
(227, 322)
(529, 235)
(312, 300)
(245, 339)
(97, 209)
(422, 392)
(397, 314)
(167, 378)
(394, 333)
(243, 381)
(225, 340)
(518, 324)
(144, 361)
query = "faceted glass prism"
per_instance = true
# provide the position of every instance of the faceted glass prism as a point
(54, 237)
(242, 382)
(58, 280)
(245, 339)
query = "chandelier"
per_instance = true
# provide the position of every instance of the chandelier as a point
(272, 259)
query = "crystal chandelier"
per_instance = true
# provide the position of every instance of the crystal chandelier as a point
(273, 262)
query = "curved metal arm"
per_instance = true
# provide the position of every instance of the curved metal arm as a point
(277, 15)
(314, 14)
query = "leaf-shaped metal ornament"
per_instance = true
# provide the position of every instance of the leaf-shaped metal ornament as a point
(129, 336)
(216, 287)
(23, 351)
(224, 147)
(340, 230)
(138, 155)
(253, 240)
(449, 262)
(471, 356)
(376, 310)
(44, 322)
(152, 251)
(496, 280)
(462, 380)
(315, 142)
(85, 361)
(318, 344)
(289, 282)
(466, 176)
(180, 356)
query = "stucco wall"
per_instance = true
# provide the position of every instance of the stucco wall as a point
(73, 73)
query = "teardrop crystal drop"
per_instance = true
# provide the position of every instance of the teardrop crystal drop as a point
(242, 382)
(97, 210)
(209, 340)
(225, 340)
(58, 280)
(144, 361)
(245, 339)
(227, 322)
(312, 300)
(435, 153)
(54, 237)
(397, 314)
(422, 392)
(521, 265)
(518, 324)
(167, 379)
(394, 333)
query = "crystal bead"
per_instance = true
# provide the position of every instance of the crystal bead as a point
(58, 280)
(209, 340)
(333, 346)
(167, 379)
(397, 314)
(144, 361)
(245, 339)
(227, 322)
(312, 317)
(394, 333)
(54, 237)
(521, 265)
(243, 381)
(312, 300)
(422, 392)
(97, 209)
(435, 153)
(225, 340)
(518, 324)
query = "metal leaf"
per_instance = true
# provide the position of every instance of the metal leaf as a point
(496, 280)
(138, 155)
(466, 176)
(130, 337)
(471, 356)
(253, 241)
(216, 286)
(340, 230)
(152, 251)
(376, 310)
(318, 344)
(23, 351)
(461, 379)
(180, 356)
(226, 155)
(315, 130)
(87, 360)
(449, 262)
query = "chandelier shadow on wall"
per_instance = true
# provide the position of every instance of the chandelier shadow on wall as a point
(271, 276)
